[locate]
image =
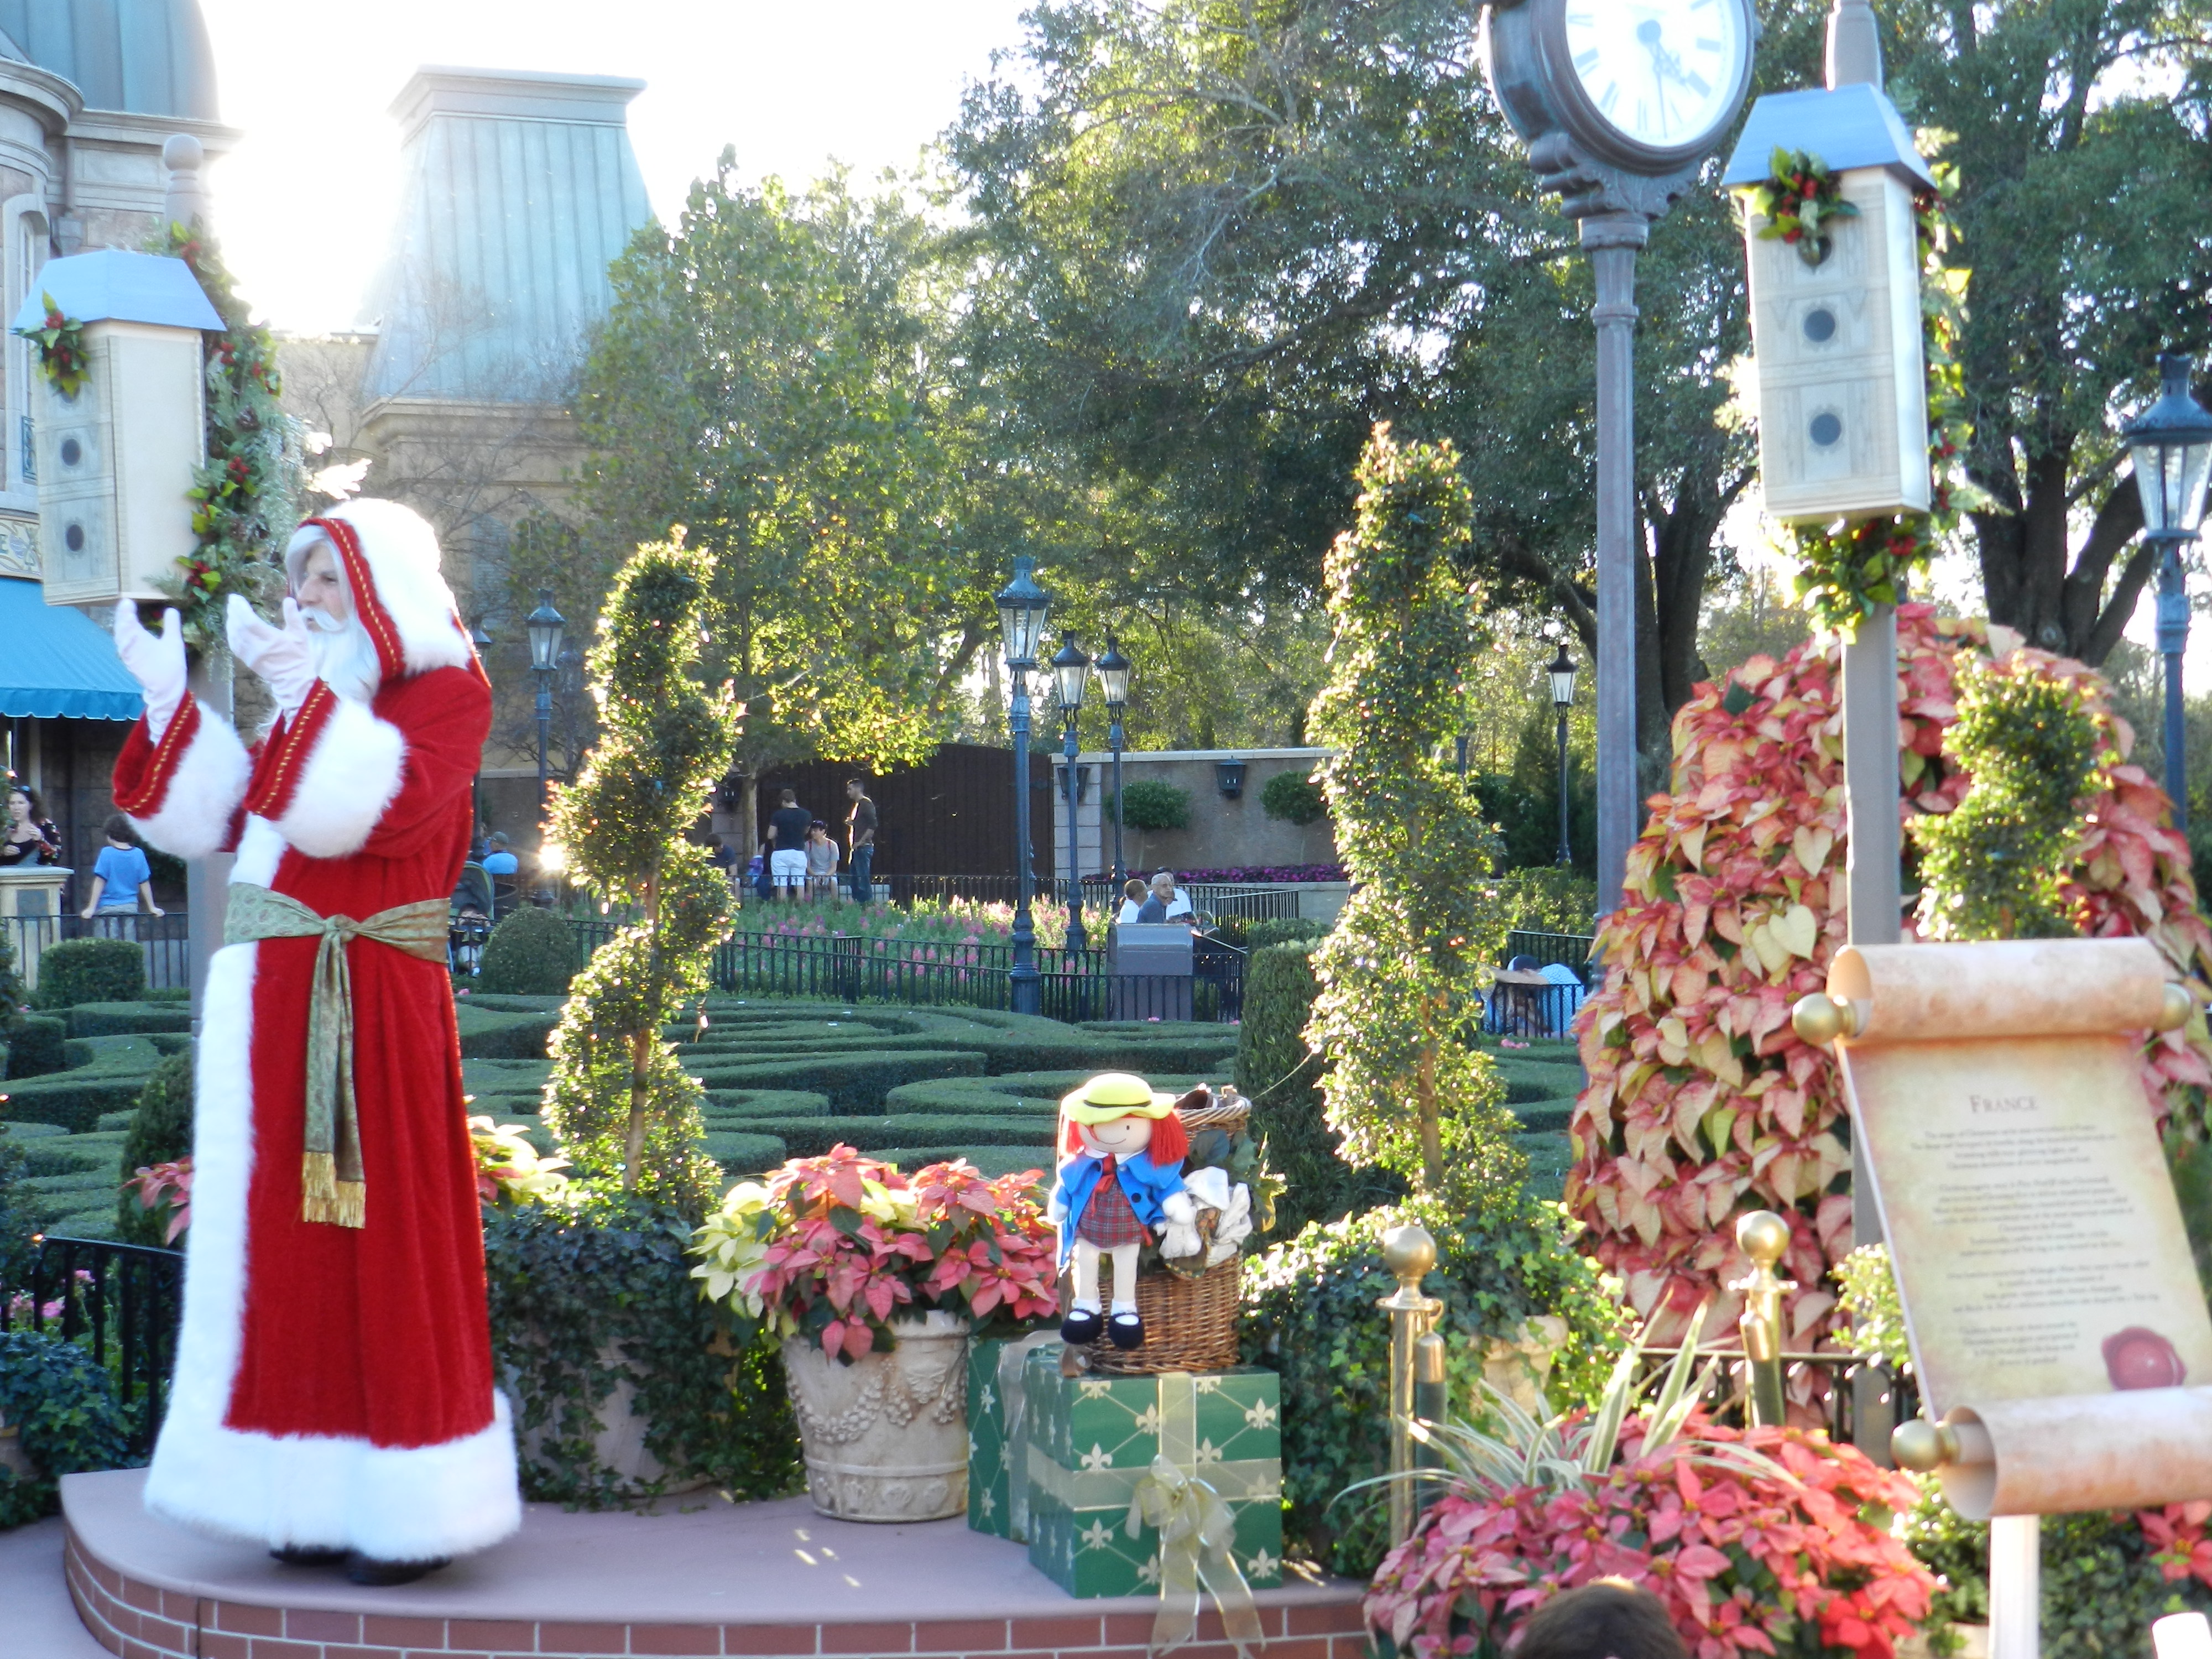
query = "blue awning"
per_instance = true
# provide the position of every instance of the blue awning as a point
(56, 662)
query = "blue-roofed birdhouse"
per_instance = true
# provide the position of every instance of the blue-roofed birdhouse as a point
(115, 456)
(1836, 331)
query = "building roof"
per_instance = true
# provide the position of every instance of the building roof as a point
(145, 56)
(1847, 126)
(519, 189)
(58, 663)
(115, 284)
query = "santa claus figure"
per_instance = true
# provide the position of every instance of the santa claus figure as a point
(333, 1394)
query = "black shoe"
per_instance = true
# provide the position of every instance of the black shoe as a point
(1126, 1330)
(367, 1569)
(307, 1555)
(1081, 1326)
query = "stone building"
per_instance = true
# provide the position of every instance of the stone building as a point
(520, 190)
(90, 91)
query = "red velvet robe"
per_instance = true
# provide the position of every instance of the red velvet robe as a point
(334, 1385)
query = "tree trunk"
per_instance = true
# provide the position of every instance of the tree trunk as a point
(2026, 552)
(641, 1045)
(1424, 1106)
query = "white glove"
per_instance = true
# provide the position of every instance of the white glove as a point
(1181, 1239)
(1055, 1208)
(1179, 1209)
(156, 661)
(284, 656)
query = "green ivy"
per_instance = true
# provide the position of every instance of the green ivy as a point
(1149, 804)
(587, 1293)
(1309, 1315)
(1294, 798)
(65, 1407)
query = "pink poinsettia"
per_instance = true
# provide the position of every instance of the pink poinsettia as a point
(834, 1247)
(1742, 1560)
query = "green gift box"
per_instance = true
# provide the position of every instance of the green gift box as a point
(997, 1501)
(1091, 1444)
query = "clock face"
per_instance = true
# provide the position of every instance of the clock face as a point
(1663, 74)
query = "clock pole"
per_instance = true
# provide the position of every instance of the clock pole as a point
(1612, 240)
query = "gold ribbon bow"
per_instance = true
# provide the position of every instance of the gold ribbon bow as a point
(333, 1189)
(1197, 1531)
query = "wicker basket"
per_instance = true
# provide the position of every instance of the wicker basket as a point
(1227, 1111)
(1190, 1324)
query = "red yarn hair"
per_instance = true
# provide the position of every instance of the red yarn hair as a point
(1169, 1143)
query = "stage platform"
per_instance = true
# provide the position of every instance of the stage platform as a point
(698, 1576)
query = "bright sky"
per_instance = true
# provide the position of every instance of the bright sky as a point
(303, 205)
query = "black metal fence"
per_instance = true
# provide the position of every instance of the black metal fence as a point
(123, 1301)
(1073, 986)
(165, 938)
(1570, 950)
(1530, 1012)
(1816, 1381)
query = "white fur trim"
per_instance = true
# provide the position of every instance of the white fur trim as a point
(260, 849)
(350, 778)
(393, 1504)
(402, 551)
(203, 793)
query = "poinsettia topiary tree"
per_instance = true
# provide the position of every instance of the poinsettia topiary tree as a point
(1701, 1102)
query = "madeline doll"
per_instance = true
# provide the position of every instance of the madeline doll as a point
(1119, 1184)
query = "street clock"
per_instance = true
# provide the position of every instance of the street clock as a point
(1619, 101)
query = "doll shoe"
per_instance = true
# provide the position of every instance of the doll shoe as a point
(1126, 1330)
(1081, 1326)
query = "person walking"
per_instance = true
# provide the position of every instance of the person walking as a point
(861, 837)
(788, 829)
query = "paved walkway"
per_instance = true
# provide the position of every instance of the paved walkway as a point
(36, 1619)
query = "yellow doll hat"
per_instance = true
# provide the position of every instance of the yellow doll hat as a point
(1116, 1094)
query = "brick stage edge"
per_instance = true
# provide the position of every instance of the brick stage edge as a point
(699, 1576)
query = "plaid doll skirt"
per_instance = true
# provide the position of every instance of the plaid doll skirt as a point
(1107, 1221)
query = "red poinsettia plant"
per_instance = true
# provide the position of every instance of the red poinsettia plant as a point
(166, 1186)
(835, 1248)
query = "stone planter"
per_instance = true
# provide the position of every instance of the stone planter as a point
(13, 1457)
(619, 1445)
(886, 1437)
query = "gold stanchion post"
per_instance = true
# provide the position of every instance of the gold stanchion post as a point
(1408, 1252)
(1764, 1237)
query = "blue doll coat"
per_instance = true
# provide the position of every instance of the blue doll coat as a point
(1147, 1185)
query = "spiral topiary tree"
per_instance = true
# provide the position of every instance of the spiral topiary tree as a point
(617, 1097)
(1401, 976)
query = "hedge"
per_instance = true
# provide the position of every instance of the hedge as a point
(92, 1019)
(736, 1105)
(90, 970)
(854, 1083)
(745, 1153)
(488, 1034)
(36, 1047)
(161, 1132)
(811, 1137)
(1282, 1077)
(531, 953)
(64, 1155)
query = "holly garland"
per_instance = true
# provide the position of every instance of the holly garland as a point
(60, 342)
(1796, 200)
(1846, 568)
(245, 496)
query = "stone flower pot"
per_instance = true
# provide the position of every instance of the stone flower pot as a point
(886, 1437)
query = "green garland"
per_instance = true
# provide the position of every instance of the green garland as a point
(1847, 567)
(1800, 196)
(62, 355)
(245, 496)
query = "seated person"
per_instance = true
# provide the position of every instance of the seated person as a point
(1168, 903)
(500, 859)
(1133, 896)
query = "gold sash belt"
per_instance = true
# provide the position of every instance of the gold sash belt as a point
(332, 1187)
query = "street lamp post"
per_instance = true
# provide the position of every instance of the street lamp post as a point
(2170, 444)
(1562, 672)
(1071, 667)
(1021, 606)
(480, 643)
(1114, 681)
(544, 625)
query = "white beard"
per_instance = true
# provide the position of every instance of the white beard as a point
(345, 657)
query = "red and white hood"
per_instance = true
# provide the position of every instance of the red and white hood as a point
(391, 560)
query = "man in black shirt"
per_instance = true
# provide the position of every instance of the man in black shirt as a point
(860, 838)
(787, 830)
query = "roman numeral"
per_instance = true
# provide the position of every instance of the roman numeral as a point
(1708, 45)
(1579, 20)
(1586, 61)
(1696, 82)
(1612, 97)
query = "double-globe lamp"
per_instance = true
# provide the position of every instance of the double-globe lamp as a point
(545, 626)
(1071, 668)
(2171, 446)
(1114, 682)
(1562, 673)
(1022, 607)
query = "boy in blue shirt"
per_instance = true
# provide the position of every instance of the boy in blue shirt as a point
(120, 877)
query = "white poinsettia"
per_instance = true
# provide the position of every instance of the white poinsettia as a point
(733, 1246)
